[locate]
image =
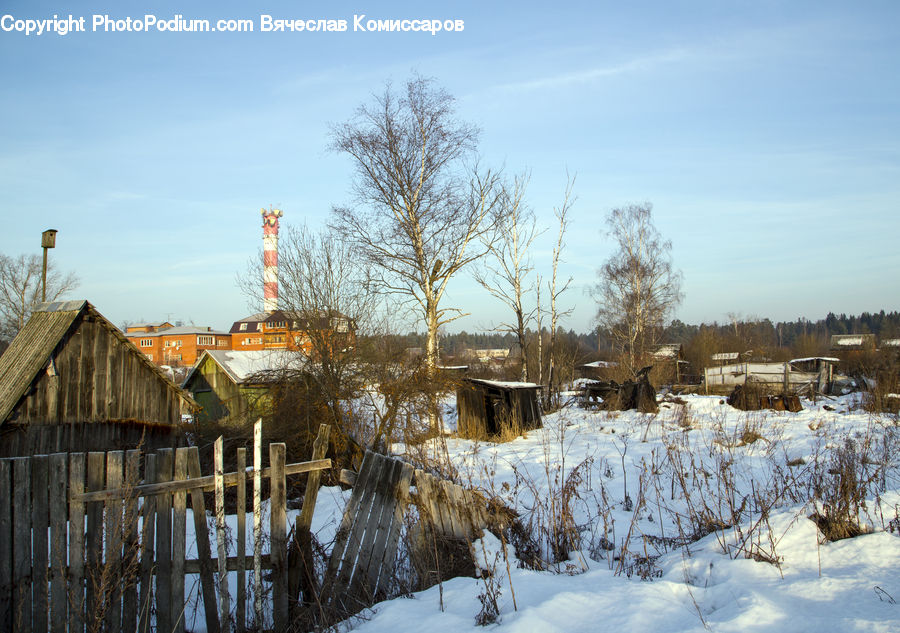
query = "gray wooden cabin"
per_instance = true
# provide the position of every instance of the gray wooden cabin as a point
(71, 381)
(486, 407)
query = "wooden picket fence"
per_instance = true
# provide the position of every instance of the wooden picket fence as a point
(97, 541)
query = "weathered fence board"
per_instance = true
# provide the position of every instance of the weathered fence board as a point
(6, 546)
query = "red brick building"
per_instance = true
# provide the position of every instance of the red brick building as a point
(176, 346)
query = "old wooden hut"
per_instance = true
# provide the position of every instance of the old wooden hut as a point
(71, 381)
(488, 407)
(232, 386)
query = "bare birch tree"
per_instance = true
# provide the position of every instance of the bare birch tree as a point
(20, 290)
(638, 286)
(505, 271)
(422, 207)
(557, 289)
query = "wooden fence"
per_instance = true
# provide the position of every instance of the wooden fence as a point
(97, 541)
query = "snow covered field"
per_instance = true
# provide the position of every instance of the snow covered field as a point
(693, 519)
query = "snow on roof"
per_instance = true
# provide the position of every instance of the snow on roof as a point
(850, 340)
(240, 365)
(505, 384)
(725, 355)
(829, 359)
(600, 364)
(891, 342)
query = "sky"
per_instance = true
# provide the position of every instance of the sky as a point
(765, 134)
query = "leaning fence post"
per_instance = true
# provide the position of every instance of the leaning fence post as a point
(302, 567)
(224, 602)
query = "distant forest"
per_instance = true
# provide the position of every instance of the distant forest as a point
(801, 333)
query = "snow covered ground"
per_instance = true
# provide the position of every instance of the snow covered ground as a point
(631, 496)
(694, 519)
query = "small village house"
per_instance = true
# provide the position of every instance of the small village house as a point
(71, 381)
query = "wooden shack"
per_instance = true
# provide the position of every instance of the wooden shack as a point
(232, 386)
(487, 407)
(71, 381)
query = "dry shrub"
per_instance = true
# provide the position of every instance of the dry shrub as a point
(841, 490)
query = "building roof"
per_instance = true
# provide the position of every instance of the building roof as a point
(667, 350)
(158, 324)
(726, 356)
(33, 347)
(294, 319)
(852, 341)
(176, 331)
(240, 365)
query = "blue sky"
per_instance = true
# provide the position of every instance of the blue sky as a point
(766, 135)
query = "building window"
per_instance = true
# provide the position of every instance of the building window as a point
(243, 327)
(146, 342)
(206, 340)
(259, 327)
(278, 324)
(222, 342)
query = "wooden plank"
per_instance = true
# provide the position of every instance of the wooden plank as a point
(58, 478)
(132, 546)
(86, 371)
(204, 555)
(206, 483)
(343, 532)
(22, 544)
(76, 545)
(112, 568)
(390, 549)
(449, 503)
(148, 545)
(357, 534)
(40, 522)
(303, 577)
(320, 447)
(224, 600)
(193, 565)
(241, 606)
(164, 622)
(378, 531)
(99, 402)
(278, 535)
(6, 545)
(179, 507)
(93, 542)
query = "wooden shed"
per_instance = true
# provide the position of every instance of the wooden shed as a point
(486, 407)
(71, 381)
(232, 386)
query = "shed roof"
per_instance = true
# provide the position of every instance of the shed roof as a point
(31, 350)
(499, 384)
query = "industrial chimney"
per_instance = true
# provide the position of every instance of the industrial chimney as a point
(270, 258)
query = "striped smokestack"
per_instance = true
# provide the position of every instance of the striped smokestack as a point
(270, 258)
